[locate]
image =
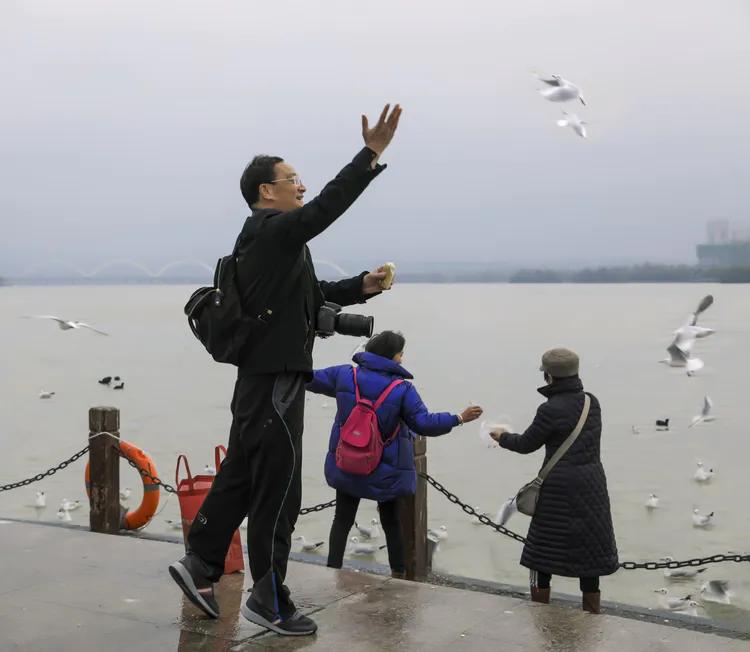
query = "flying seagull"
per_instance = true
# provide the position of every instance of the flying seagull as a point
(574, 122)
(560, 90)
(67, 325)
(680, 350)
(705, 415)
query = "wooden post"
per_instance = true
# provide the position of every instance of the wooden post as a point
(414, 519)
(104, 466)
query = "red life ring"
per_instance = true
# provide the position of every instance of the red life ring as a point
(138, 518)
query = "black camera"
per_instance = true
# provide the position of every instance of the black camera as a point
(331, 320)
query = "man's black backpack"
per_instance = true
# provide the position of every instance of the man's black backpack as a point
(215, 313)
(216, 316)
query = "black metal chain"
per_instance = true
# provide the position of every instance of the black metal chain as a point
(470, 510)
(654, 565)
(167, 487)
(626, 565)
(49, 472)
(317, 508)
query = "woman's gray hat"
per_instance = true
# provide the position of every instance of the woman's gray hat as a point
(560, 363)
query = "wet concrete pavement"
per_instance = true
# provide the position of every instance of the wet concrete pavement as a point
(68, 589)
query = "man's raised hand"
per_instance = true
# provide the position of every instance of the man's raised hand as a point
(380, 136)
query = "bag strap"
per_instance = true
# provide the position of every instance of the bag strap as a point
(217, 460)
(386, 391)
(180, 459)
(570, 439)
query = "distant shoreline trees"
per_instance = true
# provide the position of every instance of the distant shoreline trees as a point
(646, 273)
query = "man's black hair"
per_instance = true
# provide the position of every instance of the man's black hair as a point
(386, 344)
(259, 170)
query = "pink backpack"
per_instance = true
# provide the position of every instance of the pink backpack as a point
(360, 446)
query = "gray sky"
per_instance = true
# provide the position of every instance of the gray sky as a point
(125, 126)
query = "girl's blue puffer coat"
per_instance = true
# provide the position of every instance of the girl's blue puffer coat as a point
(396, 475)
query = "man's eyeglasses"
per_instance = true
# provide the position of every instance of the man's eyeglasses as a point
(295, 180)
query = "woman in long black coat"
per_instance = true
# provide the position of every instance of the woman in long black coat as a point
(571, 531)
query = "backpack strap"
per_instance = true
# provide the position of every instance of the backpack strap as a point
(386, 391)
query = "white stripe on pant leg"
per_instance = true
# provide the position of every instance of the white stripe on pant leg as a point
(533, 579)
(289, 484)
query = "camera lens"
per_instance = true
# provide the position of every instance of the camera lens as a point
(356, 325)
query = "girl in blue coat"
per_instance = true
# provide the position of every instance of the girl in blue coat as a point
(401, 416)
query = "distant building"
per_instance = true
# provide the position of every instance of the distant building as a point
(724, 247)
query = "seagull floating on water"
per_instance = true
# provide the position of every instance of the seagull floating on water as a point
(671, 602)
(701, 520)
(703, 475)
(441, 534)
(173, 525)
(560, 90)
(705, 416)
(69, 324)
(652, 502)
(574, 122)
(362, 548)
(40, 500)
(209, 470)
(125, 494)
(69, 505)
(63, 515)
(44, 394)
(678, 573)
(680, 350)
(308, 546)
(372, 532)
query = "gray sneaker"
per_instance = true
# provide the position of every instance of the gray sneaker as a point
(295, 624)
(190, 575)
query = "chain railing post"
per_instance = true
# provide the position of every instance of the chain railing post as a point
(104, 467)
(413, 511)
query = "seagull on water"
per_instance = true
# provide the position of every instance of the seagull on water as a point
(209, 470)
(560, 90)
(40, 500)
(652, 502)
(701, 520)
(173, 525)
(680, 350)
(358, 548)
(441, 534)
(372, 532)
(705, 416)
(703, 475)
(63, 515)
(574, 122)
(308, 546)
(68, 324)
(716, 591)
(69, 505)
(44, 394)
(125, 494)
(679, 573)
(672, 602)
(690, 609)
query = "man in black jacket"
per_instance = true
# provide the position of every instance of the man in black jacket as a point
(261, 475)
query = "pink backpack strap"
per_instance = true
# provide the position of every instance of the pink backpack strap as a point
(386, 391)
